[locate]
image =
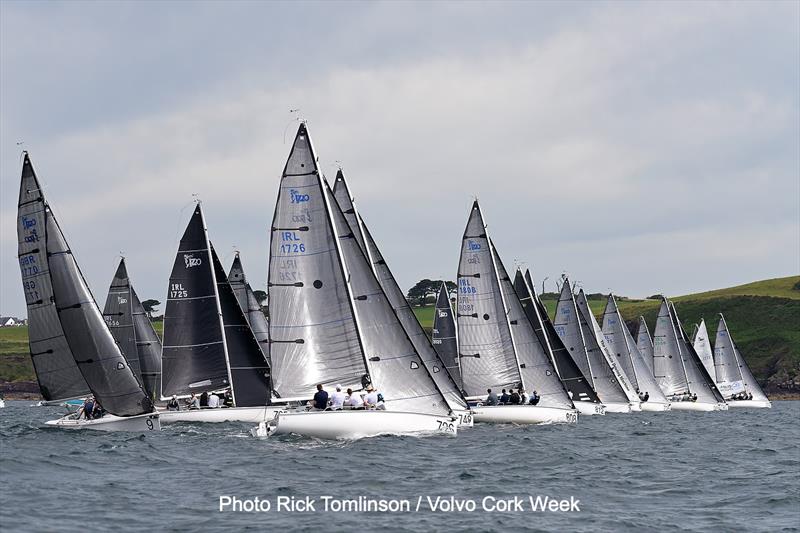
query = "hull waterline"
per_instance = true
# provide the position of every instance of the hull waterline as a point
(140, 423)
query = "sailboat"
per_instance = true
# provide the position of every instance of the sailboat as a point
(677, 368)
(581, 335)
(437, 369)
(331, 322)
(620, 342)
(71, 346)
(734, 378)
(250, 305)
(444, 335)
(208, 344)
(131, 327)
(644, 342)
(702, 345)
(498, 348)
(580, 391)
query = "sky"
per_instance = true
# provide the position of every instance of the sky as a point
(640, 148)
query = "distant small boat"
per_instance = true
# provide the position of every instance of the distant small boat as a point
(64, 320)
(734, 377)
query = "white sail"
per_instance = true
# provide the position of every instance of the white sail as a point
(644, 342)
(702, 345)
(730, 365)
(668, 369)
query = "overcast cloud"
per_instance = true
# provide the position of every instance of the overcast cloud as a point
(641, 147)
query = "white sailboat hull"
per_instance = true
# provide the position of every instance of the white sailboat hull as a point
(251, 415)
(466, 417)
(356, 424)
(636, 407)
(2, 403)
(654, 407)
(699, 406)
(524, 414)
(754, 404)
(139, 423)
(590, 408)
(618, 407)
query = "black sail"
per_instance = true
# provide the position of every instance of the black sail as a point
(55, 367)
(118, 314)
(99, 358)
(572, 377)
(250, 305)
(444, 337)
(133, 331)
(249, 369)
(194, 357)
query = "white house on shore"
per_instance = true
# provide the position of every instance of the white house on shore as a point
(9, 321)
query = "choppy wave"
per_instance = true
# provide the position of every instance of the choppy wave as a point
(735, 470)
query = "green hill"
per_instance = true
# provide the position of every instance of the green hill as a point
(764, 319)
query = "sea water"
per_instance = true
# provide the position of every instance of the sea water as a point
(735, 470)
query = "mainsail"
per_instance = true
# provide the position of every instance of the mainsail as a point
(436, 367)
(724, 345)
(55, 367)
(578, 386)
(486, 351)
(194, 356)
(645, 343)
(535, 368)
(250, 305)
(133, 331)
(444, 335)
(620, 342)
(312, 329)
(668, 365)
(582, 343)
(702, 345)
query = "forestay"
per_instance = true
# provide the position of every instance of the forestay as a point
(444, 337)
(574, 381)
(312, 330)
(702, 345)
(536, 370)
(53, 363)
(485, 347)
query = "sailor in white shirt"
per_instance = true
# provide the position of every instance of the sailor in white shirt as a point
(337, 398)
(213, 401)
(371, 399)
(354, 399)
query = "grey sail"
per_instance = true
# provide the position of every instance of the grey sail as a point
(53, 363)
(615, 339)
(443, 336)
(724, 346)
(250, 305)
(395, 367)
(702, 345)
(312, 331)
(620, 341)
(99, 358)
(536, 370)
(645, 343)
(668, 366)
(133, 332)
(728, 374)
(700, 382)
(194, 355)
(436, 368)
(577, 335)
(576, 384)
(248, 367)
(485, 347)
(596, 344)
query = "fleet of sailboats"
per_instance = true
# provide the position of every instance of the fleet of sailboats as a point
(337, 317)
